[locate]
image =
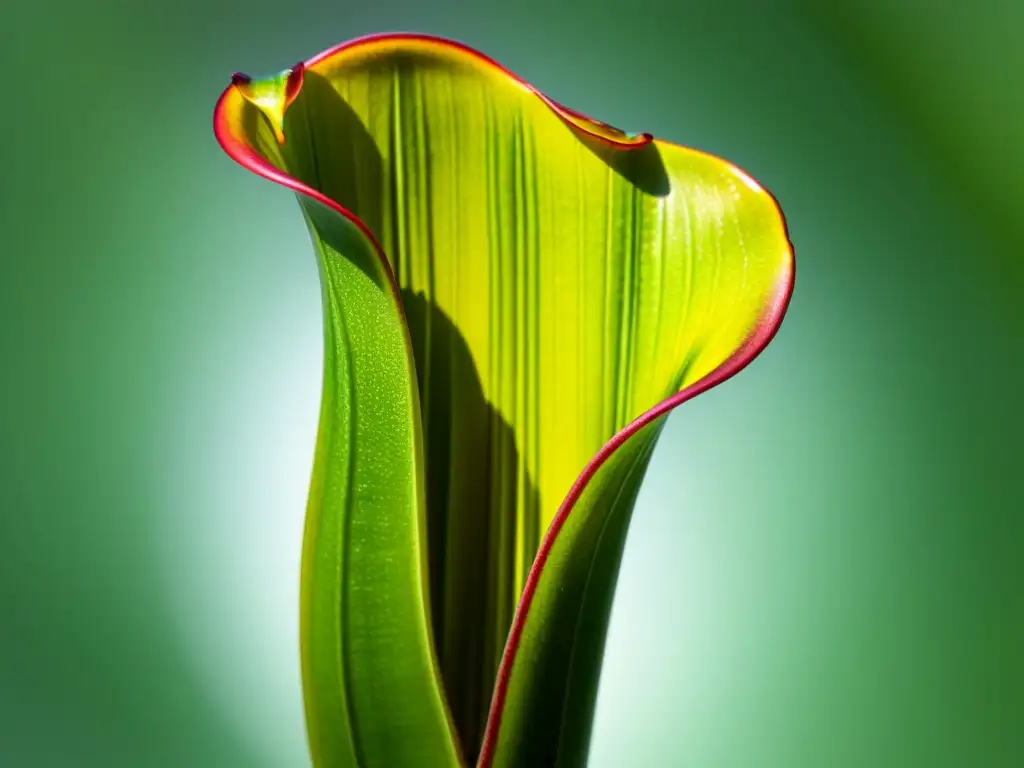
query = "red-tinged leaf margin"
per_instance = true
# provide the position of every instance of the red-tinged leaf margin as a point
(763, 332)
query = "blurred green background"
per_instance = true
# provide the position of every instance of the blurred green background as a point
(827, 562)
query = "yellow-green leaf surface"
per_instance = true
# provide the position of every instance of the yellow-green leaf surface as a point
(515, 296)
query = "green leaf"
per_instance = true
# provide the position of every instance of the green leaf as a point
(515, 296)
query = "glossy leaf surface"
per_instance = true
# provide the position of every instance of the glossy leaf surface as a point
(514, 297)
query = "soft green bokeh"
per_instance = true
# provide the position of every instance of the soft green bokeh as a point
(825, 567)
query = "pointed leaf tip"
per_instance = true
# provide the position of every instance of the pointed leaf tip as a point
(293, 84)
(273, 95)
(598, 129)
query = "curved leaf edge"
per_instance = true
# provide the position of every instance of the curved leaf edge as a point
(758, 339)
(763, 332)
